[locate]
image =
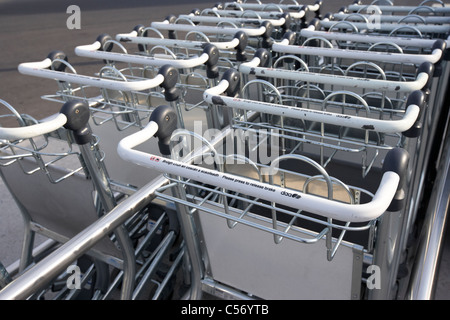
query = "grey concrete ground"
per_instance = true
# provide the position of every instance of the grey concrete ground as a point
(30, 29)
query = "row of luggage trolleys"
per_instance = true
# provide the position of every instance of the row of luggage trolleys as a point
(249, 150)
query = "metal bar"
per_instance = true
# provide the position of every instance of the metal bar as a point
(51, 266)
(424, 273)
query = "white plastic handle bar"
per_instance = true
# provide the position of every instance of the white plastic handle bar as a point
(287, 7)
(321, 206)
(251, 67)
(92, 51)
(434, 57)
(406, 9)
(165, 25)
(51, 124)
(40, 69)
(387, 27)
(208, 19)
(133, 37)
(213, 96)
(263, 14)
(398, 18)
(310, 32)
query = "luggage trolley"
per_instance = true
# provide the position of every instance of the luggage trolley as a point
(235, 253)
(428, 13)
(117, 86)
(259, 35)
(296, 19)
(279, 24)
(54, 170)
(266, 72)
(119, 100)
(403, 40)
(285, 112)
(271, 6)
(112, 85)
(373, 95)
(395, 64)
(186, 48)
(400, 45)
(277, 17)
(195, 73)
(233, 50)
(194, 79)
(411, 38)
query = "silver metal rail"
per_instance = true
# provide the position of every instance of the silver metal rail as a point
(57, 262)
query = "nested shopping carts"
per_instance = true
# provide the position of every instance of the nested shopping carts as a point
(292, 155)
(268, 128)
(375, 110)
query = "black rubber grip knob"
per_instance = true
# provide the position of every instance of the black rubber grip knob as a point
(441, 45)
(240, 48)
(139, 29)
(78, 114)
(170, 74)
(329, 16)
(212, 70)
(60, 55)
(303, 23)
(267, 40)
(243, 40)
(427, 67)
(213, 53)
(263, 56)
(291, 36)
(141, 32)
(287, 20)
(269, 29)
(233, 78)
(105, 44)
(316, 23)
(166, 119)
(417, 98)
(397, 161)
(318, 12)
(171, 18)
